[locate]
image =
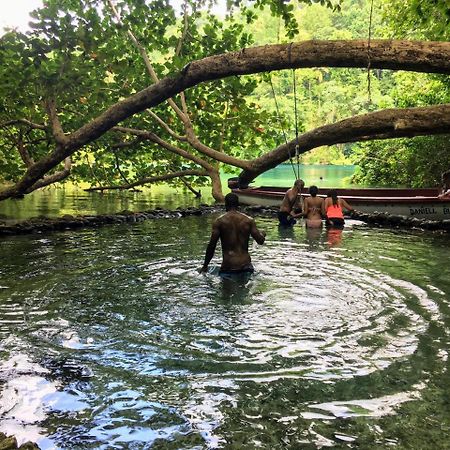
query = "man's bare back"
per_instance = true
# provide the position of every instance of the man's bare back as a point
(234, 230)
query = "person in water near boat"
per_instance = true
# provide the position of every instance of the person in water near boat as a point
(234, 230)
(292, 205)
(333, 209)
(313, 208)
(445, 192)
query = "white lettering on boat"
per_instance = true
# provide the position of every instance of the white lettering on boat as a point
(425, 210)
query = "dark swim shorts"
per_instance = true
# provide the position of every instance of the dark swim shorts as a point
(286, 219)
(335, 223)
(232, 273)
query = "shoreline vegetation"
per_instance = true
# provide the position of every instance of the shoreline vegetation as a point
(71, 222)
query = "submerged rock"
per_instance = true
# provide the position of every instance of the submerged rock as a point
(10, 443)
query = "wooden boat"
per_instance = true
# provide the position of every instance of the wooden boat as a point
(420, 203)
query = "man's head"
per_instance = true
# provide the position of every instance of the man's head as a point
(299, 184)
(231, 201)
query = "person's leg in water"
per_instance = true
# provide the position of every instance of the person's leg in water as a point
(335, 223)
(286, 220)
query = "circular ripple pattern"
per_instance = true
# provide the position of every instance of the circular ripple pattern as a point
(112, 337)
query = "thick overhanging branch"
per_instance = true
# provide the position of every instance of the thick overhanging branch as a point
(432, 57)
(386, 124)
(148, 180)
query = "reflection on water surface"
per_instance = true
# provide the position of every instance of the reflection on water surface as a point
(111, 339)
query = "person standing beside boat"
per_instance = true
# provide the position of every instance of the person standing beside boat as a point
(291, 205)
(313, 208)
(333, 209)
(445, 193)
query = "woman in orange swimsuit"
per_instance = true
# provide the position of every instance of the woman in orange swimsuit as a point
(333, 207)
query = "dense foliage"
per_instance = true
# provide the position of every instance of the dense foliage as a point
(83, 56)
(420, 161)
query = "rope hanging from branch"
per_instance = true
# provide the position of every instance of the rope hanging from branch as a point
(369, 62)
(281, 123)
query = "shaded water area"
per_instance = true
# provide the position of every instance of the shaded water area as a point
(111, 339)
(56, 202)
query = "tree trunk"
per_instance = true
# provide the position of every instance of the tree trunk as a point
(216, 186)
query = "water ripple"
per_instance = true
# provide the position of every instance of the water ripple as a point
(118, 340)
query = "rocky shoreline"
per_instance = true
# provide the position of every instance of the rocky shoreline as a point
(69, 222)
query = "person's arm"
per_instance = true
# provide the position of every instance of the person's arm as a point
(211, 248)
(258, 236)
(298, 208)
(324, 208)
(305, 207)
(346, 205)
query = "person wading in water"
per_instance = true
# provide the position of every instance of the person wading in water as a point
(445, 192)
(313, 209)
(234, 230)
(333, 208)
(291, 206)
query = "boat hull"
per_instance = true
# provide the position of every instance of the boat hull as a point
(419, 203)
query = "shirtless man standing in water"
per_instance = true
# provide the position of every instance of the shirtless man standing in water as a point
(291, 207)
(234, 230)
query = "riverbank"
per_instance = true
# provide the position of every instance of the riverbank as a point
(71, 222)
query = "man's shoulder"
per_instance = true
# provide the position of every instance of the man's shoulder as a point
(236, 216)
(246, 218)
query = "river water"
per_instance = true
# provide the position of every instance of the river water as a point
(53, 202)
(110, 338)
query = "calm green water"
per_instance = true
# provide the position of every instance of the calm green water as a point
(109, 338)
(317, 174)
(56, 202)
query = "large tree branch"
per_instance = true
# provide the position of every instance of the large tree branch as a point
(386, 124)
(141, 182)
(417, 56)
(53, 178)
